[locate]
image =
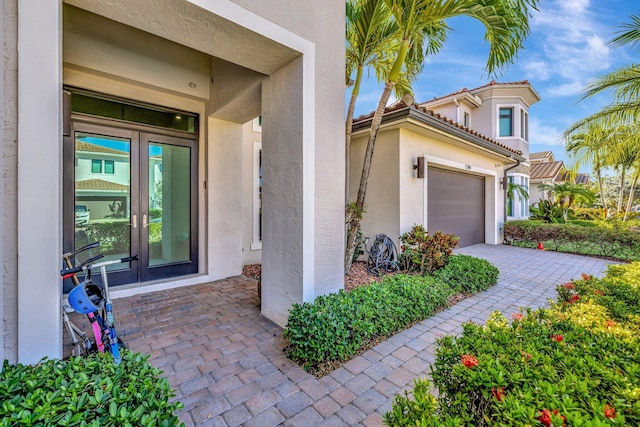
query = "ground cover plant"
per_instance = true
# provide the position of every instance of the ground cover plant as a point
(574, 364)
(86, 391)
(616, 240)
(335, 327)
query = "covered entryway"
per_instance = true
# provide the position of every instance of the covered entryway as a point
(456, 205)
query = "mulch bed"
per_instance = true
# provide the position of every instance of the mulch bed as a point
(358, 276)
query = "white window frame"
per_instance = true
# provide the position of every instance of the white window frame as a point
(524, 124)
(256, 242)
(520, 206)
(513, 109)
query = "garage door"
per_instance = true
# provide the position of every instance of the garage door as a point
(456, 205)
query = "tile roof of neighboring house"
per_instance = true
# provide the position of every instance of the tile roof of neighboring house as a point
(583, 178)
(94, 148)
(541, 155)
(100, 185)
(546, 170)
(399, 106)
(465, 90)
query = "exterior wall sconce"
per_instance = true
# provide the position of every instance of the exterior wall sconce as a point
(420, 167)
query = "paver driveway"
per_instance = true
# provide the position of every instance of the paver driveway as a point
(226, 363)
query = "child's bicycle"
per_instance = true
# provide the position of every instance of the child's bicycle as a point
(93, 300)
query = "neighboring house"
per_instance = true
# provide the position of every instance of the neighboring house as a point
(166, 90)
(545, 169)
(471, 143)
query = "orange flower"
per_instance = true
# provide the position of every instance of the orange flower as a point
(517, 316)
(557, 338)
(586, 276)
(468, 360)
(498, 393)
(609, 411)
(569, 285)
(611, 324)
(598, 292)
(526, 355)
(574, 298)
(545, 417)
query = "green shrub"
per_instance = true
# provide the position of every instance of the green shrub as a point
(423, 253)
(335, 326)
(86, 391)
(114, 237)
(619, 240)
(547, 211)
(569, 365)
(464, 273)
(618, 292)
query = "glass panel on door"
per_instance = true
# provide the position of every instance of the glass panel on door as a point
(103, 194)
(169, 198)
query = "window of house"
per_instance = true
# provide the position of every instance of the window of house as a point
(109, 167)
(96, 166)
(466, 119)
(256, 243)
(524, 125)
(517, 203)
(506, 121)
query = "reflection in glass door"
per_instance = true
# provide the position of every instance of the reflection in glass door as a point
(136, 193)
(168, 207)
(103, 195)
(169, 204)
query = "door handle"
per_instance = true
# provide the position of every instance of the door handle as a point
(144, 221)
(134, 221)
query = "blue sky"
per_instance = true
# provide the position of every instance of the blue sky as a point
(566, 50)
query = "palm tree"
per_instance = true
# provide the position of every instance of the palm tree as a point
(587, 146)
(566, 193)
(625, 82)
(514, 189)
(506, 25)
(371, 43)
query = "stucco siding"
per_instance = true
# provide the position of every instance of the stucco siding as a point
(382, 203)
(9, 187)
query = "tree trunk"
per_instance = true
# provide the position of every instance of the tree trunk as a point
(349, 127)
(601, 186)
(621, 195)
(354, 224)
(634, 183)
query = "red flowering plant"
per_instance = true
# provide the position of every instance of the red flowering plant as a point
(511, 373)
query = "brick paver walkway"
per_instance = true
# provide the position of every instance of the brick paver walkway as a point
(226, 363)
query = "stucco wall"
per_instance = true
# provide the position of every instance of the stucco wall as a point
(382, 202)
(321, 22)
(251, 252)
(8, 186)
(396, 197)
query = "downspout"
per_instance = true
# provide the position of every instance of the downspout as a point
(506, 188)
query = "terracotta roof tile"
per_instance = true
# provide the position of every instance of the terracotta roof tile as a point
(541, 155)
(465, 90)
(400, 105)
(546, 170)
(100, 185)
(94, 148)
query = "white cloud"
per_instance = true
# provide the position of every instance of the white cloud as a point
(572, 44)
(543, 134)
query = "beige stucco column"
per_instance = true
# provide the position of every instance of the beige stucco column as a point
(39, 180)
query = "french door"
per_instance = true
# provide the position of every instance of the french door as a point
(135, 190)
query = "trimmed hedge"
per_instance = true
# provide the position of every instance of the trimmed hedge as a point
(619, 240)
(572, 364)
(335, 326)
(86, 391)
(464, 273)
